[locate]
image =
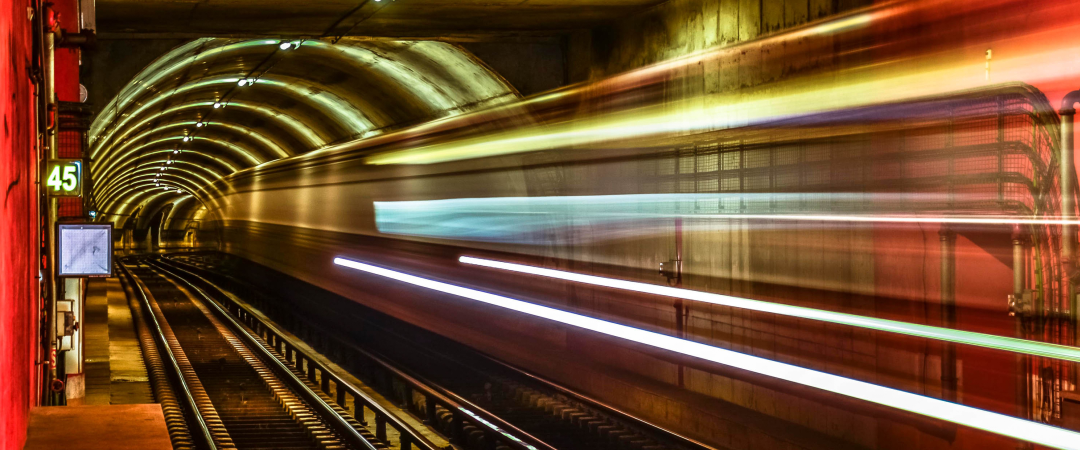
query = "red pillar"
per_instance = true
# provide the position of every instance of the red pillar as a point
(18, 231)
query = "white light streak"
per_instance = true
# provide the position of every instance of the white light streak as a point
(911, 329)
(604, 217)
(964, 415)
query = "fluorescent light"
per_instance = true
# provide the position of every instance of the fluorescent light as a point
(925, 331)
(964, 415)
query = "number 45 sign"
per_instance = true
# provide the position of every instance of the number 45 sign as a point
(63, 177)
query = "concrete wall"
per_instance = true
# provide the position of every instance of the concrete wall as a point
(114, 62)
(530, 67)
(680, 27)
(18, 213)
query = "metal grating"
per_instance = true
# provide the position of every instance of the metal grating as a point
(72, 125)
(69, 207)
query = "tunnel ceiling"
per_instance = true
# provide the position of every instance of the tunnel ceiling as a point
(215, 106)
(387, 18)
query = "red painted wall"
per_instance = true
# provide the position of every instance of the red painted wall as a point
(18, 208)
(66, 69)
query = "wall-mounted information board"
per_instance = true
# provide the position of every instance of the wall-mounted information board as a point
(85, 250)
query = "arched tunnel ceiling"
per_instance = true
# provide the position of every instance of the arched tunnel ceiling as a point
(214, 106)
(389, 18)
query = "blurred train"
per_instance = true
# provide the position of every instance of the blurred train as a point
(902, 162)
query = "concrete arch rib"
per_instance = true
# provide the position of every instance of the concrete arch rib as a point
(303, 99)
(148, 183)
(194, 173)
(151, 156)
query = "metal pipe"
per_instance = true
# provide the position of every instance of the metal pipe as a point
(680, 307)
(1019, 276)
(1067, 175)
(51, 140)
(948, 312)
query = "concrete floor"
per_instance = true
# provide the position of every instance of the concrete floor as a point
(115, 371)
(98, 427)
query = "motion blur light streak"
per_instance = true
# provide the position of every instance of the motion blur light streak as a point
(964, 415)
(911, 329)
(515, 219)
(508, 435)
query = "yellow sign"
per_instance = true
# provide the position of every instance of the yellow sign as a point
(64, 177)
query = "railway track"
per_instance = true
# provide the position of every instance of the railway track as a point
(452, 387)
(239, 393)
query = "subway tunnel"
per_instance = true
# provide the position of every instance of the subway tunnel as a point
(631, 224)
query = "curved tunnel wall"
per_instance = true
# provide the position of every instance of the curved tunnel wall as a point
(212, 107)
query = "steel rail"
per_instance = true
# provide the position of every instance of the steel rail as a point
(203, 436)
(276, 338)
(344, 429)
(463, 410)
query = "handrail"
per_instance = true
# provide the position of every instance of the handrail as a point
(344, 429)
(191, 408)
(461, 409)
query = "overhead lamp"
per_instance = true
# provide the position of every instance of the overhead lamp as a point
(187, 138)
(246, 82)
(284, 45)
(200, 124)
(176, 152)
(218, 105)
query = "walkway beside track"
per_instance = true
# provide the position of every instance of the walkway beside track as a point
(94, 427)
(114, 367)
